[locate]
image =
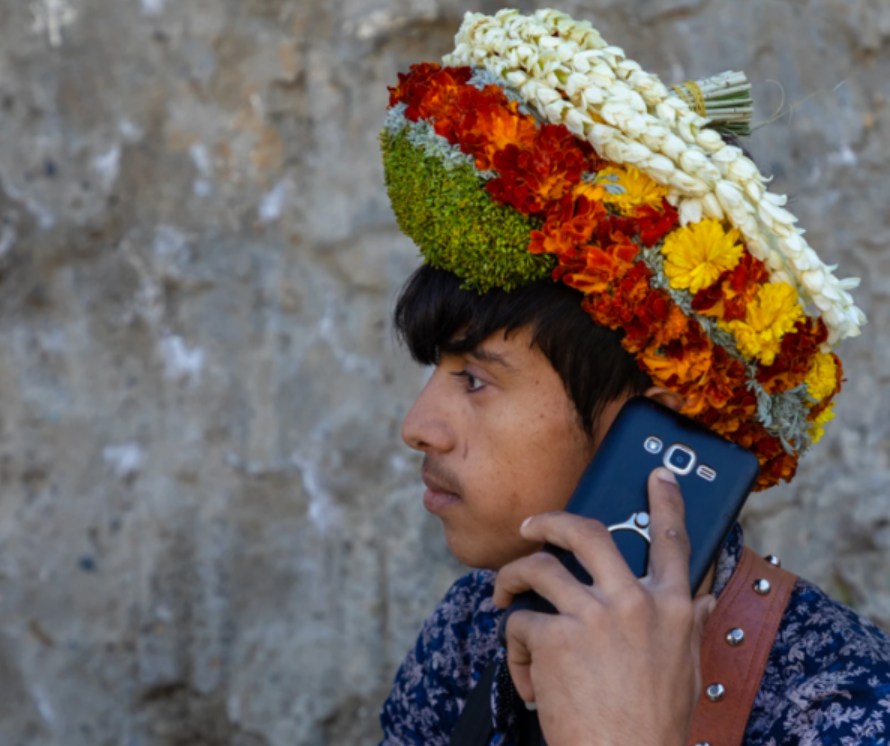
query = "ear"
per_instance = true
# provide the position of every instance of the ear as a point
(665, 396)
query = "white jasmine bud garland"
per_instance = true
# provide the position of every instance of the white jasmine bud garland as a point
(552, 58)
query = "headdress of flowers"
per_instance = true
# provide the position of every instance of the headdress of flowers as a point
(538, 150)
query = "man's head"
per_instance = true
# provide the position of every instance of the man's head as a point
(524, 388)
(566, 161)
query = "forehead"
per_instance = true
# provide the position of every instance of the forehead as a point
(511, 352)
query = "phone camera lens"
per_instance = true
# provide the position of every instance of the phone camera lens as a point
(680, 459)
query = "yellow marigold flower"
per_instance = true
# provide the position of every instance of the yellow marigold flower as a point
(695, 256)
(593, 192)
(816, 430)
(638, 189)
(822, 378)
(769, 316)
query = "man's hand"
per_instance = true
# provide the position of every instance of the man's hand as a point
(619, 664)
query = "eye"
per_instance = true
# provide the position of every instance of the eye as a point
(473, 383)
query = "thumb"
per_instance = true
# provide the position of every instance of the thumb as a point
(703, 607)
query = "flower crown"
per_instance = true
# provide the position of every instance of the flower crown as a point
(539, 151)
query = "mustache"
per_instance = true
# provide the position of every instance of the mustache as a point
(440, 475)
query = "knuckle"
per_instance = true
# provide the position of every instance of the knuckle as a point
(679, 538)
(677, 610)
(591, 531)
(634, 601)
(542, 562)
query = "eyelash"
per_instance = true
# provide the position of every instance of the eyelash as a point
(469, 379)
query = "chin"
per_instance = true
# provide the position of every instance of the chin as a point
(477, 553)
(470, 553)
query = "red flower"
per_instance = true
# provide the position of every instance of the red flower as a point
(656, 224)
(729, 296)
(721, 398)
(569, 224)
(491, 124)
(412, 87)
(593, 268)
(795, 359)
(544, 172)
(617, 307)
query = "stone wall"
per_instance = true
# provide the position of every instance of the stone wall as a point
(210, 532)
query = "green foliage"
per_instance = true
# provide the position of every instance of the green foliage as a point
(455, 222)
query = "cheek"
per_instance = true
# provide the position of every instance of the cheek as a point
(532, 468)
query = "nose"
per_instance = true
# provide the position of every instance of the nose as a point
(427, 426)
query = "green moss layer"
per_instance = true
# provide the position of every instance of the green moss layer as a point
(455, 222)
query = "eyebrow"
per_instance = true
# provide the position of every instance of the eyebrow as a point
(487, 356)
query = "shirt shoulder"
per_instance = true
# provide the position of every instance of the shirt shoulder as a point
(827, 680)
(456, 643)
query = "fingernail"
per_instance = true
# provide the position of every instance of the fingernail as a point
(665, 475)
(712, 604)
(526, 522)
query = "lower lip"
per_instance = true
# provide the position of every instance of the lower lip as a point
(437, 502)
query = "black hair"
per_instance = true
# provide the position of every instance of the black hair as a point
(435, 316)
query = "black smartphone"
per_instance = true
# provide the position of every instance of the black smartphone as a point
(715, 477)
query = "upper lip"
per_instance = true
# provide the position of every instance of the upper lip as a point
(437, 485)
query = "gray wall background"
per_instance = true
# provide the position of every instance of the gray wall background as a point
(210, 532)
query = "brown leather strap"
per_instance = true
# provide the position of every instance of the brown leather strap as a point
(739, 669)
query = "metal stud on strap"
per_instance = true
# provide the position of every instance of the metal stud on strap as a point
(773, 560)
(735, 637)
(762, 587)
(716, 692)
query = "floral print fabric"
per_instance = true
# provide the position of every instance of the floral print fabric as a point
(827, 680)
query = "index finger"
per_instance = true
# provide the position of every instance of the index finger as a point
(669, 552)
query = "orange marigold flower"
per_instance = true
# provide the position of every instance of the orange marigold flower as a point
(782, 467)
(670, 371)
(734, 290)
(681, 362)
(674, 325)
(597, 267)
(722, 393)
(492, 126)
(567, 228)
(735, 412)
(546, 171)
(618, 306)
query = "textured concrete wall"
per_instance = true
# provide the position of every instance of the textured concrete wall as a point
(210, 533)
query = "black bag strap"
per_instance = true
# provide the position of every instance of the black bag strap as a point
(474, 725)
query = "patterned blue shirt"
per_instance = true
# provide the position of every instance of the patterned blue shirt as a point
(827, 680)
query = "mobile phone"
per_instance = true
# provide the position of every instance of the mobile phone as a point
(715, 477)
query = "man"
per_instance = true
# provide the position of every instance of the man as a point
(541, 154)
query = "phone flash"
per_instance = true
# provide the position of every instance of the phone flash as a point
(706, 473)
(653, 445)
